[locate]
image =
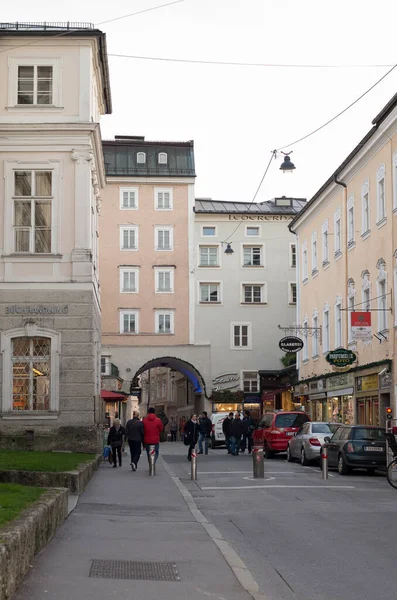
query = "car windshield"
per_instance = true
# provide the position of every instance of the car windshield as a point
(291, 420)
(321, 428)
(369, 435)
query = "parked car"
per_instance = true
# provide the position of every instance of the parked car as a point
(217, 435)
(356, 447)
(276, 428)
(306, 443)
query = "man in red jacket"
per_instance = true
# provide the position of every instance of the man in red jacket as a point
(152, 428)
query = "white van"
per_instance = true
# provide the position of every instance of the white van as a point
(217, 436)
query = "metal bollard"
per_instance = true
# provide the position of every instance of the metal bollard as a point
(152, 461)
(193, 475)
(258, 462)
(324, 462)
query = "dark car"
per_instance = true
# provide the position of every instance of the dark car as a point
(275, 429)
(357, 447)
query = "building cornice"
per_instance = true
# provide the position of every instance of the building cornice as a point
(140, 180)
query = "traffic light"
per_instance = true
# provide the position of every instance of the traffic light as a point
(389, 413)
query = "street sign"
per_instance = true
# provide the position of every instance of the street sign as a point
(361, 326)
(291, 344)
(341, 358)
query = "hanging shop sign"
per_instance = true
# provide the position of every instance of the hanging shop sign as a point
(341, 358)
(361, 326)
(290, 344)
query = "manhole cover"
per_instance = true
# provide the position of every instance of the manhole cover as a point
(128, 569)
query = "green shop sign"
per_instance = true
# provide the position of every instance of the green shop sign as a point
(341, 358)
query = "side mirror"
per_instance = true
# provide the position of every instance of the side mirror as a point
(327, 439)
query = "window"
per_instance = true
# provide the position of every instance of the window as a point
(365, 227)
(338, 323)
(163, 199)
(241, 336)
(209, 292)
(252, 256)
(324, 231)
(315, 336)
(292, 256)
(314, 252)
(382, 296)
(31, 372)
(304, 262)
(103, 365)
(350, 221)
(128, 198)
(164, 238)
(252, 231)
(164, 322)
(209, 230)
(349, 311)
(292, 293)
(253, 294)
(381, 199)
(32, 211)
(250, 381)
(395, 181)
(129, 321)
(129, 280)
(209, 256)
(164, 281)
(35, 84)
(129, 238)
(141, 158)
(337, 232)
(326, 337)
(162, 158)
(366, 300)
(305, 352)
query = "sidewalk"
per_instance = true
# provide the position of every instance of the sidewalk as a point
(126, 516)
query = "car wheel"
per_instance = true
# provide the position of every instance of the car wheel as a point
(304, 461)
(268, 453)
(289, 455)
(343, 469)
(213, 444)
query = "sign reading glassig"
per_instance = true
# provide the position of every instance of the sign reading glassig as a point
(290, 344)
(341, 358)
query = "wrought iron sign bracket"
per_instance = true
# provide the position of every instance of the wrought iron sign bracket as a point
(303, 330)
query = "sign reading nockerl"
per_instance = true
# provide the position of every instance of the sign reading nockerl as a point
(290, 344)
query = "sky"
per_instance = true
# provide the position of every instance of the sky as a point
(238, 115)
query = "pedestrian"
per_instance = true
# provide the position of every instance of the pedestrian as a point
(226, 430)
(152, 429)
(248, 426)
(173, 429)
(236, 431)
(182, 424)
(191, 435)
(164, 419)
(134, 431)
(205, 432)
(115, 440)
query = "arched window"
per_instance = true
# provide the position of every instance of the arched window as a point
(141, 158)
(162, 158)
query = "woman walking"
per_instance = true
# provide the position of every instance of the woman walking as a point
(115, 440)
(191, 433)
(134, 431)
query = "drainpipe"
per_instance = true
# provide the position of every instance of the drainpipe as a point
(345, 251)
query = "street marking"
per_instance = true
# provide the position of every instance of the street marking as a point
(261, 487)
(255, 478)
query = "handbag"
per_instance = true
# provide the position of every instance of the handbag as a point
(116, 444)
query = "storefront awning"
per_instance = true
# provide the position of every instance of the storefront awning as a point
(107, 395)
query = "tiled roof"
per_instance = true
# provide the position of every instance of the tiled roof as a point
(207, 205)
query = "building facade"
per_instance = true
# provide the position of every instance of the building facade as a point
(346, 245)
(55, 87)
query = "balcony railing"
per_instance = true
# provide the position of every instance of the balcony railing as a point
(46, 25)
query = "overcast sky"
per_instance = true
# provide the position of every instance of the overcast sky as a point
(237, 115)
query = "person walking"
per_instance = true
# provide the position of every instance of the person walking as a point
(248, 426)
(134, 431)
(205, 432)
(226, 430)
(115, 440)
(191, 435)
(173, 429)
(152, 427)
(236, 431)
(182, 424)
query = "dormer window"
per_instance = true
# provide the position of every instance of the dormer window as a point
(141, 158)
(283, 201)
(163, 158)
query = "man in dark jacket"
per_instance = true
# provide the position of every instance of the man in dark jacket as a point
(236, 431)
(191, 435)
(134, 431)
(152, 430)
(226, 430)
(248, 426)
(205, 432)
(115, 440)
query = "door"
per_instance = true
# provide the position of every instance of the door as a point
(294, 443)
(333, 447)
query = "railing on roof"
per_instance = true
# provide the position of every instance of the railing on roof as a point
(147, 171)
(47, 25)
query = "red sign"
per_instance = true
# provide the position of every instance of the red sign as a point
(361, 325)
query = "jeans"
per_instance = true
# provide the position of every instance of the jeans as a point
(173, 436)
(246, 439)
(116, 452)
(228, 444)
(203, 438)
(135, 449)
(234, 445)
(157, 446)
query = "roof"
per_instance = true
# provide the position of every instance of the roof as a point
(380, 117)
(120, 157)
(207, 205)
(52, 29)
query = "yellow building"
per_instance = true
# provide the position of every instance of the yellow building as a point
(347, 249)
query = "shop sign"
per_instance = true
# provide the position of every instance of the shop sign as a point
(260, 218)
(317, 386)
(367, 383)
(385, 380)
(301, 390)
(361, 326)
(252, 398)
(290, 344)
(226, 382)
(340, 381)
(40, 309)
(341, 358)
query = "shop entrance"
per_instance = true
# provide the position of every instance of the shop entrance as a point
(368, 411)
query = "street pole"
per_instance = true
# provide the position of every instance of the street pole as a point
(324, 462)
(258, 462)
(152, 460)
(194, 464)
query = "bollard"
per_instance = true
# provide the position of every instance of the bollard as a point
(258, 462)
(324, 462)
(194, 464)
(152, 461)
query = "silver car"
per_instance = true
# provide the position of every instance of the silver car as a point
(307, 441)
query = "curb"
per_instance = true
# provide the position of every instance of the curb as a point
(239, 568)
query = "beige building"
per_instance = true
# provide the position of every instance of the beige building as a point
(347, 249)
